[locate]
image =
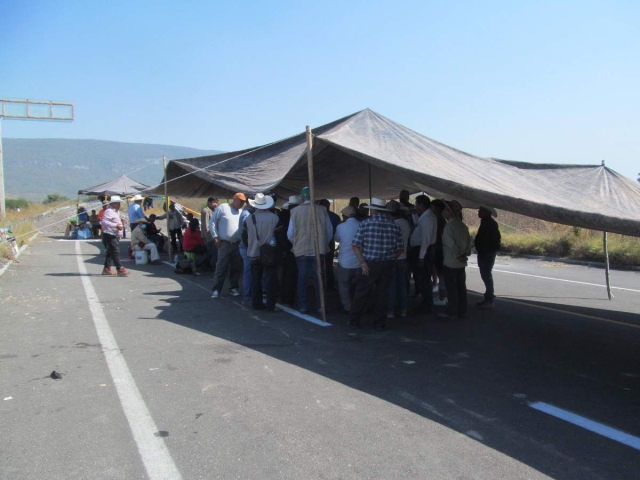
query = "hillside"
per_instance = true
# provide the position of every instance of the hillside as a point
(35, 167)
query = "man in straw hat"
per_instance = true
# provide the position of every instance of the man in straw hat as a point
(456, 242)
(487, 243)
(348, 265)
(140, 241)
(260, 229)
(301, 235)
(135, 211)
(224, 226)
(377, 245)
(111, 224)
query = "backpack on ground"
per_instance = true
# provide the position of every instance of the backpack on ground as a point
(184, 265)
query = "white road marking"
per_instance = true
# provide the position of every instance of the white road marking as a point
(558, 310)
(155, 455)
(561, 280)
(595, 427)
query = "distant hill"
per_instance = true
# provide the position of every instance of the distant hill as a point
(34, 167)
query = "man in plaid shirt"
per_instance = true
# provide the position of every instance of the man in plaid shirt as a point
(376, 245)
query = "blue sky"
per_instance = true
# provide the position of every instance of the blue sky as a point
(533, 81)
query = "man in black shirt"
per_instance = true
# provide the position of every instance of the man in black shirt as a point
(487, 243)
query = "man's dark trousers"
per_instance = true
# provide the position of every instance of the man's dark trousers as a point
(112, 251)
(456, 281)
(427, 284)
(263, 277)
(380, 274)
(229, 260)
(289, 281)
(486, 261)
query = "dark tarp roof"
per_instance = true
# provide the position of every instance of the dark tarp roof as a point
(367, 147)
(122, 185)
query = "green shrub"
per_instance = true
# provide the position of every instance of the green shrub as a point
(15, 203)
(54, 197)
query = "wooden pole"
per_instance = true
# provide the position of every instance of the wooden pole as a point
(606, 263)
(314, 221)
(166, 200)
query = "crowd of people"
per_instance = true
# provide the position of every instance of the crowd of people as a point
(381, 247)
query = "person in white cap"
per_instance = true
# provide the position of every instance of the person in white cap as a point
(111, 224)
(377, 245)
(135, 211)
(260, 227)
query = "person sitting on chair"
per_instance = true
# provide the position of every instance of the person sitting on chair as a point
(139, 241)
(193, 244)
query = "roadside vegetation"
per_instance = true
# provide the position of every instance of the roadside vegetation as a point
(524, 235)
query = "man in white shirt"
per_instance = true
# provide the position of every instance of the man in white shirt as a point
(224, 227)
(348, 265)
(424, 236)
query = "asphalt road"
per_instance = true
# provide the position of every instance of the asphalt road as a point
(160, 381)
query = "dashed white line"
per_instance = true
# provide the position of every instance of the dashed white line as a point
(155, 455)
(595, 427)
(561, 280)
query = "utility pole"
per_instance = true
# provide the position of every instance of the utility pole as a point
(29, 110)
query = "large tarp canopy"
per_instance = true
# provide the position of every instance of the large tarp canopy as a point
(122, 185)
(367, 154)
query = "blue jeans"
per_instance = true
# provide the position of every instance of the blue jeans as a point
(485, 264)
(263, 280)
(398, 287)
(307, 266)
(246, 274)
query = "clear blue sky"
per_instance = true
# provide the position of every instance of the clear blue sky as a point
(538, 81)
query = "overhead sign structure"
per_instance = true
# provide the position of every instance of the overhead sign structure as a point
(29, 110)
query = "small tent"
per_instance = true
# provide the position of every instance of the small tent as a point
(122, 185)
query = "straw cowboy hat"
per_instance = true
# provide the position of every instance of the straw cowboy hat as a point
(378, 204)
(293, 200)
(137, 198)
(453, 206)
(262, 201)
(348, 211)
(115, 199)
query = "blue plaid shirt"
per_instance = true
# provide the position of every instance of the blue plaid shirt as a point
(379, 238)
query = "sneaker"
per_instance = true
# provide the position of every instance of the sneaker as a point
(123, 272)
(108, 271)
(445, 316)
(403, 313)
(390, 315)
(234, 292)
(215, 294)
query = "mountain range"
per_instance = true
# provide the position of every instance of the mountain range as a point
(36, 167)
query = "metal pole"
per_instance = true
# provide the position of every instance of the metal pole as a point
(166, 200)
(3, 211)
(314, 219)
(606, 263)
(370, 195)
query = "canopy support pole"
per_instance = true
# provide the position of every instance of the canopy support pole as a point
(166, 203)
(314, 220)
(606, 263)
(370, 195)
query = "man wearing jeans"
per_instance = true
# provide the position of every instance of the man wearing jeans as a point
(348, 265)
(224, 226)
(487, 243)
(301, 235)
(112, 228)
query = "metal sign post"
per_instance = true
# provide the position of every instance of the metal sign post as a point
(29, 110)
